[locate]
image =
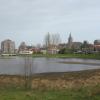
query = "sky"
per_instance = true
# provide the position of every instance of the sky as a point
(31, 20)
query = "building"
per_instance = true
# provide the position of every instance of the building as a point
(88, 49)
(76, 45)
(8, 47)
(43, 51)
(70, 42)
(97, 42)
(73, 45)
(22, 47)
(53, 51)
(26, 52)
(97, 45)
(61, 46)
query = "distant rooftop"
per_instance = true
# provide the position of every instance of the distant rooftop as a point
(97, 42)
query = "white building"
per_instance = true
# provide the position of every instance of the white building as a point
(25, 52)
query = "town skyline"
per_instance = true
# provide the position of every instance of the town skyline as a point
(52, 45)
(42, 43)
(64, 37)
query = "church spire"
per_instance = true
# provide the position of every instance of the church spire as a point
(70, 36)
(70, 41)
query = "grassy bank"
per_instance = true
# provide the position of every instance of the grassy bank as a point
(82, 85)
(87, 93)
(83, 56)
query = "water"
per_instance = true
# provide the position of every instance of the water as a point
(16, 65)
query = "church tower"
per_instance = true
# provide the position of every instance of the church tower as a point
(70, 41)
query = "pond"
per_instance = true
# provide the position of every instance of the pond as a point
(16, 65)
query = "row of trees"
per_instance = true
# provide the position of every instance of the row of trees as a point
(52, 40)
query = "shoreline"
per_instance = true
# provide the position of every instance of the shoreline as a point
(84, 63)
(62, 80)
(57, 73)
(80, 56)
(63, 56)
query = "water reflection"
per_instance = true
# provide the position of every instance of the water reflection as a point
(16, 65)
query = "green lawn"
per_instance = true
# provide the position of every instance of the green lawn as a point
(90, 93)
(84, 56)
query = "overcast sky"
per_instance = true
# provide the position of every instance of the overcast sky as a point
(30, 20)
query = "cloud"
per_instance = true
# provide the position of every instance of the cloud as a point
(33, 18)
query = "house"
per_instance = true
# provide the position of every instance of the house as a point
(25, 52)
(97, 48)
(97, 45)
(43, 51)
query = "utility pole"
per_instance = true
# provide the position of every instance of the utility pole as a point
(28, 71)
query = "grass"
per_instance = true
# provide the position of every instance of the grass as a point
(90, 90)
(83, 56)
(86, 93)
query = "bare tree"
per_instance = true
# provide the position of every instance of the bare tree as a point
(55, 40)
(47, 40)
(52, 39)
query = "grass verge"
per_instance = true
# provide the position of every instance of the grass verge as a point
(87, 93)
(83, 56)
(83, 85)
